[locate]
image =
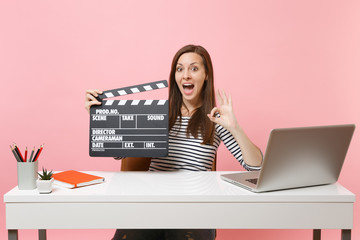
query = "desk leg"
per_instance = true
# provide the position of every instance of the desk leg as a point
(316, 234)
(13, 234)
(346, 234)
(42, 234)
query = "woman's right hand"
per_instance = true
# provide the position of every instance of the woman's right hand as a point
(90, 99)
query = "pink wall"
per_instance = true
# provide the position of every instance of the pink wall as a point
(286, 63)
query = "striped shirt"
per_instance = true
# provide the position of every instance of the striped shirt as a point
(187, 153)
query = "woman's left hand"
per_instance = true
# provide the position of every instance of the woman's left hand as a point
(224, 114)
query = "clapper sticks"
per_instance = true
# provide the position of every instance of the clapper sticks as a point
(129, 128)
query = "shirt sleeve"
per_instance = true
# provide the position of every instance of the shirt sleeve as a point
(233, 147)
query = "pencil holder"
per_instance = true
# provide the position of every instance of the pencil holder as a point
(27, 175)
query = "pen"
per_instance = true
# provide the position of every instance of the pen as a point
(15, 154)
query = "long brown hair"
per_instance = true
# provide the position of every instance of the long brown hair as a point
(199, 122)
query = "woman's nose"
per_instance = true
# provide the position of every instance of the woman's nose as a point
(187, 74)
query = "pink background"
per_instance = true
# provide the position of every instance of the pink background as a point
(286, 63)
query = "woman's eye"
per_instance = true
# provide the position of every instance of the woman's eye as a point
(194, 68)
(179, 69)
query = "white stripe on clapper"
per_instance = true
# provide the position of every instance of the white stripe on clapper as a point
(122, 102)
(160, 85)
(109, 102)
(135, 102)
(147, 87)
(122, 92)
(134, 90)
(148, 102)
(109, 95)
(161, 102)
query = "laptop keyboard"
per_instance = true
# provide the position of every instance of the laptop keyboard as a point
(252, 180)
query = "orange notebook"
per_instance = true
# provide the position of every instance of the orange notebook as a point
(74, 179)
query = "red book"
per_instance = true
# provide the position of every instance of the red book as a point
(74, 179)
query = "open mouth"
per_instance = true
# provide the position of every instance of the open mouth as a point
(188, 88)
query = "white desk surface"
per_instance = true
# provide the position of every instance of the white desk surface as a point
(182, 186)
(178, 200)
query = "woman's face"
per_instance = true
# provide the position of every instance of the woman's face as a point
(190, 76)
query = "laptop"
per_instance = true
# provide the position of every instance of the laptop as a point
(298, 157)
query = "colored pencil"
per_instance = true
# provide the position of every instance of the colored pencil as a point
(41, 148)
(32, 153)
(15, 154)
(25, 154)
(19, 153)
(37, 152)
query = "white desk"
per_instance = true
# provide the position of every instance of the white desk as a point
(178, 200)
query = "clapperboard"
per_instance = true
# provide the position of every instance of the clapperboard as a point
(130, 128)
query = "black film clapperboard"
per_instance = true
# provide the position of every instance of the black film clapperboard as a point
(130, 128)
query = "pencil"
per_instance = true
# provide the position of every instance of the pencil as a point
(18, 152)
(32, 153)
(37, 152)
(15, 154)
(41, 148)
(25, 154)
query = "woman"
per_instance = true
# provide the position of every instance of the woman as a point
(197, 127)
